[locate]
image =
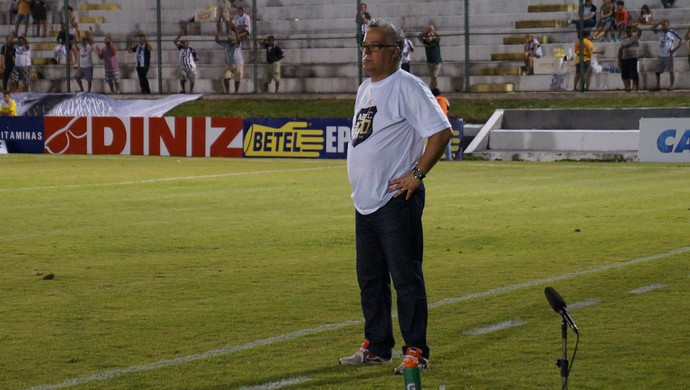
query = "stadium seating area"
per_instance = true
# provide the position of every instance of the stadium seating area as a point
(318, 37)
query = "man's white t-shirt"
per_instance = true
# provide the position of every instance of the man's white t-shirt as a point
(392, 119)
(85, 55)
(667, 40)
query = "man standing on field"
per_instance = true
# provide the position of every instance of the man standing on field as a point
(386, 163)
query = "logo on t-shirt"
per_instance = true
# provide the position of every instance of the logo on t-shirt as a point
(364, 125)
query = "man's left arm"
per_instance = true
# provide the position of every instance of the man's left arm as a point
(409, 182)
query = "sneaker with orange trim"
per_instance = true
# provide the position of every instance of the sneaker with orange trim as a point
(363, 357)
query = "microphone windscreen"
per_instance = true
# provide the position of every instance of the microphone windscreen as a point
(555, 299)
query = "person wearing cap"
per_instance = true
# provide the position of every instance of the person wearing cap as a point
(273, 56)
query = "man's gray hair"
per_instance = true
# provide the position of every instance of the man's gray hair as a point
(395, 33)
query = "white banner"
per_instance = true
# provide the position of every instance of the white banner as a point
(664, 140)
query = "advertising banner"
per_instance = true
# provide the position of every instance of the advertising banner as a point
(324, 138)
(312, 138)
(144, 136)
(305, 138)
(665, 140)
(22, 134)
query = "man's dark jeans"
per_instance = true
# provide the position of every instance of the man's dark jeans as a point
(390, 245)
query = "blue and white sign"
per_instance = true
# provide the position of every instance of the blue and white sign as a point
(664, 140)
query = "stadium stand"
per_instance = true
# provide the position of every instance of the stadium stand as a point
(318, 37)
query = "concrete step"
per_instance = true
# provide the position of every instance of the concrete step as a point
(552, 8)
(484, 88)
(520, 39)
(501, 71)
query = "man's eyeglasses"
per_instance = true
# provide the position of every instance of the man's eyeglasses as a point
(374, 47)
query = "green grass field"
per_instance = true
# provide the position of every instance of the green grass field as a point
(228, 273)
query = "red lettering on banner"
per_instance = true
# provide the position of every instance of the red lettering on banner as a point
(174, 140)
(136, 136)
(109, 128)
(231, 128)
(197, 137)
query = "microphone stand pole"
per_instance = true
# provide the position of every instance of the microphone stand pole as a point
(563, 362)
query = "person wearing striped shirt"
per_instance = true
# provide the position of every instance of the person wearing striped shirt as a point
(188, 60)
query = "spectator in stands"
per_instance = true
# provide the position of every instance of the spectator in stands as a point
(432, 47)
(645, 16)
(112, 67)
(620, 18)
(241, 24)
(687, 38)
(408, 48)
(273, 56)
(7, 52)
(143, 56)
(445, 106)
(669, 43)
(60, 51)
(23, 16)
(21, 73)
(582, 68)
(234, 63)
(8, 107)
(223, 14)
(40, 15)
(84, 63)
(668, 3)
(363, 18)
(605, 21)
(628, 53)
(188, 60)
(73, 23)
(12, 11)
(589, 16)
(531, 51)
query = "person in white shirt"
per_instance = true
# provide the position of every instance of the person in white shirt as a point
(532, 51)
(84, 62)
(669, 43)
(241, 24)
(386, 162)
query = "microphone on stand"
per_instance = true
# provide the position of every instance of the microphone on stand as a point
(558, 305)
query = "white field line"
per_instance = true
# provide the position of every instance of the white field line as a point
(583, 304)
(514, 323)
(495, 327)
(326, 328)
(278, 384)
(162, 180)
(647, 289)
